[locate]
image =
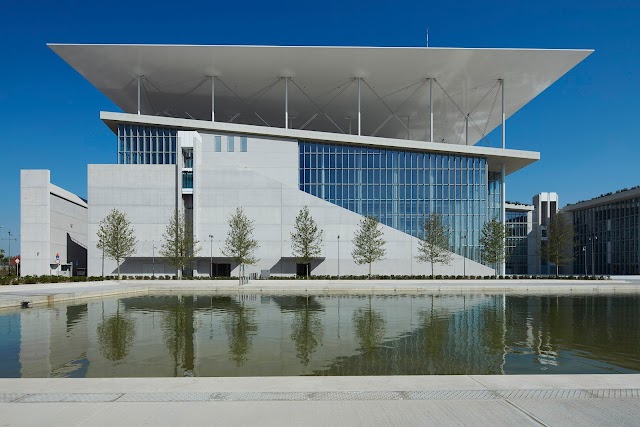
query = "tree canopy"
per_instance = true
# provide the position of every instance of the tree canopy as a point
(179, 247)
(434, 247)
(116, 237)
(306, 239)
(492, 242)
(368, 243)
(558, 248)
(240, 245)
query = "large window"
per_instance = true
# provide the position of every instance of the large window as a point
(401, 188)
(146, 145)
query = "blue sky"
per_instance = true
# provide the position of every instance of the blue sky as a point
(584, 125)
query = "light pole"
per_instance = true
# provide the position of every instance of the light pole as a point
(593, 239)
(211, 256)
(338, 257)
(584, 249)
(1, 227)
(464, 257)
(153, 259)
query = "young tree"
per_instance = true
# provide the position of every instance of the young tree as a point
(240, 245)
(492, 242)
(368, 242)
(179, 247)
(116, 237)
(306, 240)
(434, 248)
(559, 244)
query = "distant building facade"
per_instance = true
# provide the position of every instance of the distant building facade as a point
(607, 234)
(519, 225)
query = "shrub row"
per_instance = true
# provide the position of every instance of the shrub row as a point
(31, 280)
(13, 280)
(440, 277)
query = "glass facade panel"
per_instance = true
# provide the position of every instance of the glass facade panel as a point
(243, 144)
(145, 145)
(401, 188)
(218, 144)
(230, 144)
(607, 238)
(516, 245)
(187, 179)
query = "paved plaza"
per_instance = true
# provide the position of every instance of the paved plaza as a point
(579, 400)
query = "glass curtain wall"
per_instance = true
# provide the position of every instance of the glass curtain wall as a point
(517, 242)
(616, 250)
(146, 145)
(401, 188)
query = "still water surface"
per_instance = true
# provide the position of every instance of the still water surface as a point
(265, 335)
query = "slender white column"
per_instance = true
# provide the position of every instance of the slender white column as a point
(138, 95)
(213, 98)
(466, 130)
(503, 216)
(503, 115)
(359, 114)
(431, 109)
(286, 102)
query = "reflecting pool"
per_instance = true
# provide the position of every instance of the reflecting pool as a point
(266, 335)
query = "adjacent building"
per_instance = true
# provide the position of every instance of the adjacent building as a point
(607, 233)
(53, 227)
(394, 133)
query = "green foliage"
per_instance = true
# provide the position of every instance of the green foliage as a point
(306, 331)
(240, 245)
(492, 242)
(558, 247)
(241, 328)
(434, 248)
(116, 237)
(306, 239)
(179, 247)
(368, 243)
(115, 336)
(369, 326)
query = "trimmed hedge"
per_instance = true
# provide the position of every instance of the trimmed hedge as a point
(439, 277)
(29, 280)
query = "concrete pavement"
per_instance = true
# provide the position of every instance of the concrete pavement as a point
(13, 296)
(399, 400)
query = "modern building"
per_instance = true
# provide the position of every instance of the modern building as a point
(53, 227)
(607, 233)
(394, 133)
(519, 220)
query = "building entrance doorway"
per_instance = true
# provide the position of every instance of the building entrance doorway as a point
(220, 270)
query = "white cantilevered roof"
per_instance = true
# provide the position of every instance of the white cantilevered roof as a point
(322, 90)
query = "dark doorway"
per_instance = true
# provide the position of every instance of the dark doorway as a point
(221, 270)
(301, 269)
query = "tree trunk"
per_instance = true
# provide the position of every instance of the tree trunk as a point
(118, 261)
(369, 271)
(557, 269)
(307, 271)
(432, 269)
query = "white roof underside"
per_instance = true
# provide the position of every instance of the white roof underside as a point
(323, 82)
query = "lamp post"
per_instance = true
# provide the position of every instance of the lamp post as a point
(153, 259)
(1, 227)
(338, 257)
(211, 256)
(593, 239)
(584, 249)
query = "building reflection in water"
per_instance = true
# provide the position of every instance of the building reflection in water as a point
(256, 335)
